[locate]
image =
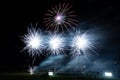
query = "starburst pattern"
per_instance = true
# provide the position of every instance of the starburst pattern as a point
(81, 43)
(60, 17)
(56, 44)
(33, 41)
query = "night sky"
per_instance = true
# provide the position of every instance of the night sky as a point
(92, 14)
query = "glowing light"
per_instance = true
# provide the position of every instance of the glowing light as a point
(56, 44)
(81, 44)
(31, 71)
(50, 73)
(33, 41)
(108, 74)
(60, 17)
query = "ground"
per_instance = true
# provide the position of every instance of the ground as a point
(44, 76)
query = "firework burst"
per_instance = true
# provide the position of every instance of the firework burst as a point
(82, 43)
(56, 44)
(33, 41)
(60, 17)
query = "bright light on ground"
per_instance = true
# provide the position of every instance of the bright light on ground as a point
(50, 73)
(31, 71)
(108, 74)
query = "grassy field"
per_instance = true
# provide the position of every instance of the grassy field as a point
(44, 76)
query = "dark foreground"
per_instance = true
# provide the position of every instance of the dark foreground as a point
(41, 76)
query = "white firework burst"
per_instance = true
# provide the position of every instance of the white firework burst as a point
(82, 43)
(60, 17)
(56, 44)
(33, 41)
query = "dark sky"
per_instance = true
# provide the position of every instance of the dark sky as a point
(16, 16)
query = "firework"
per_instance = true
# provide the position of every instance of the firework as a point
(81, 43)
(56, 44)
(31, 71)
(60, 17)
(33, 41)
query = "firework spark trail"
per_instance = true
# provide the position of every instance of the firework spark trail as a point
(31, 70)
(56, 44)
(60, 17)
(33, 41)
(82, 44)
